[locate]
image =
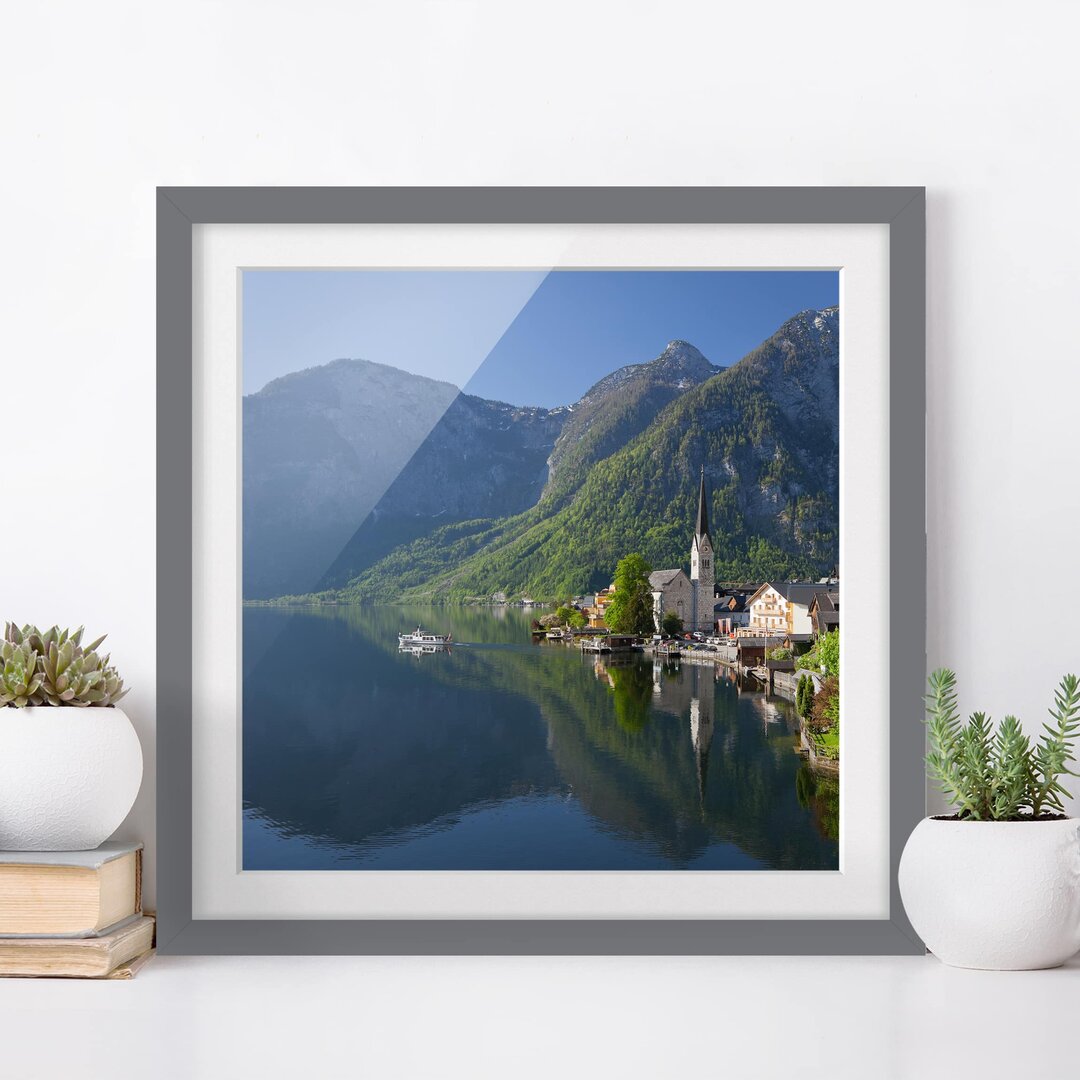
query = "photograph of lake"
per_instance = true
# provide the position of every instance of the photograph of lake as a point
(541, 570)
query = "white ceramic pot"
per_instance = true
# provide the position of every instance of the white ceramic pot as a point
(68, 776)
(1003, 895)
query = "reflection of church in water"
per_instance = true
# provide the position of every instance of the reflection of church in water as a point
(699, 681)
(702, 708)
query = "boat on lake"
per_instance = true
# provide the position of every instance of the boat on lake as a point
(421, 637)
(423, 650)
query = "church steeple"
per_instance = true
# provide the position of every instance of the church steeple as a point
(702, 510)
(701, 567)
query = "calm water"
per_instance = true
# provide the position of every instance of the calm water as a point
(502, 754)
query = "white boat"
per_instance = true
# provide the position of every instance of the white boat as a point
(421, 637)
(423, 650)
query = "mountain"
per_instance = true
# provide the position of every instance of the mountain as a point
(623, 477)
(320, 448)
(485, 460)
(482, 459)
(619, 407)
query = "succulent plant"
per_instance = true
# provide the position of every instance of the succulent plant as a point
(20, 679)
(52, 667)
(1002, 775)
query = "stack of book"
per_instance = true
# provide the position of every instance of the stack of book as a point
(73, 913)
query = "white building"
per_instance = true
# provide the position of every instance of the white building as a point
(782, 607)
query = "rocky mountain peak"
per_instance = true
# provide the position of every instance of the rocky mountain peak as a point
(682, 361)
(679, 365)
(682, 350)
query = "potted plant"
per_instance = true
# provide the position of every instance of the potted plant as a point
(70, 761)
(997, 884)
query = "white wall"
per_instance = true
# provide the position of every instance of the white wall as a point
(101, 102)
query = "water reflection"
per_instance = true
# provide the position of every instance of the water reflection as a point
(499, 753)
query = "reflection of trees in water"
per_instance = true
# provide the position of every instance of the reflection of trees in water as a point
(632, 695)
(679, 788)
(673, 760)
(821, 796)
(382, 622)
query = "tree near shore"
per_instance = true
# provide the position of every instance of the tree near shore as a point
(570, 616)
(631, 608)
(671, 625)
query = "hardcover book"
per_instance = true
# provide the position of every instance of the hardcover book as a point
(69, 893)
(87, 957)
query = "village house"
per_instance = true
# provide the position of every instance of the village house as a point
(595, 613)
(825, 610)
(730, 612)
(795, 610)
(781, 608)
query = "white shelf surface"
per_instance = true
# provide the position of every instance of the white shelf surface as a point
(740, 1018)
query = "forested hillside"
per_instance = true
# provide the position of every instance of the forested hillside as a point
(766, 431)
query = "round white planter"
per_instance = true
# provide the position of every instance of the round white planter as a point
(1003, 895)
(68, 776)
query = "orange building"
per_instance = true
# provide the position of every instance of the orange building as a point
(596, 613)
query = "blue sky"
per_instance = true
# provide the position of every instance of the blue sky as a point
(529, 337)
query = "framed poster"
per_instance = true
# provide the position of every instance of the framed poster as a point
(503, 534)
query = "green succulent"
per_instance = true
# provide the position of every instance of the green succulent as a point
(52, 667)
(20, 679)
(71, 676)
(1000, 776)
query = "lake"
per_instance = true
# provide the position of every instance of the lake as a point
(501, 754)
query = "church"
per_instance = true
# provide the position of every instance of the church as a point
(691, 598)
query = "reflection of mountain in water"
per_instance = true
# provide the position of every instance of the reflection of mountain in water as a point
(669, 762)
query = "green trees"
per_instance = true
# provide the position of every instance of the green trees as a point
(804, 696)
(631, 608)
(829, 653)
(821, 711)
(671, 624)
(824, 656)
(566, 615)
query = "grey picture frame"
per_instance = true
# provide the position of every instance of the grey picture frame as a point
(180, 209)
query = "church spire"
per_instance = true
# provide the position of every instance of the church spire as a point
(702, 604)
(702, 510)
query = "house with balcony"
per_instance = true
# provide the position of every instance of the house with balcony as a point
(782, 608)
